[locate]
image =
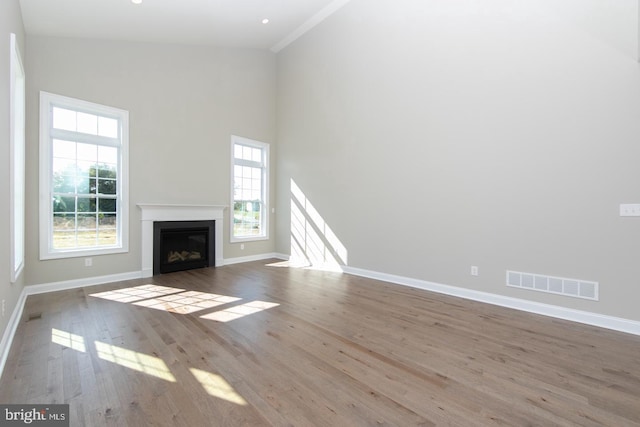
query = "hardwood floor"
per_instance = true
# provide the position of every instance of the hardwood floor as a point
(258, 344)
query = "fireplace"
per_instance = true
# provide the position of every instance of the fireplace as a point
(183, 245)
(156, 212)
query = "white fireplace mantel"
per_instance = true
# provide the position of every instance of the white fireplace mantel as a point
(152, 212)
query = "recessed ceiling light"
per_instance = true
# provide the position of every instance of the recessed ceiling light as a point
(265, 21)
(136, 1)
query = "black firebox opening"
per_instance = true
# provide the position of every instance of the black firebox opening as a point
(183, 245)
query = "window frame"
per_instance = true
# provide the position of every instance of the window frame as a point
(17, 186)
(47, 102)
(264, 147)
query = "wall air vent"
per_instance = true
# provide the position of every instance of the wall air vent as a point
(554, 285)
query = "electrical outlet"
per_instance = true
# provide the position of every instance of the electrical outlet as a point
(88, 262)
(242, 246)
(474, 270)
(627, 209)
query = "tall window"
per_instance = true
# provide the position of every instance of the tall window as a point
(249, 181)
(17, 168)
(83, 178)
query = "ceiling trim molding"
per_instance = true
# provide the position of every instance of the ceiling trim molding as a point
(309, 24)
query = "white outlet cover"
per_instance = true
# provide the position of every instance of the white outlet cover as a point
(630, 209)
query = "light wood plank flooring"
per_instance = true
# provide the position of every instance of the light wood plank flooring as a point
(258, 344)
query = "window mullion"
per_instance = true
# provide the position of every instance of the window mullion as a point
(68, 135)
(249, 163)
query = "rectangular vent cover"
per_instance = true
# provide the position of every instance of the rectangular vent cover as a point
(554, 285)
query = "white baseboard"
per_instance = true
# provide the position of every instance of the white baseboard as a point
(80, 283)
(283, 257)
(260, 257)
(594, 319)
(10, 331)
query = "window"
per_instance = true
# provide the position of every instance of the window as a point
(249, 184)
(17, 169)
(83, 178)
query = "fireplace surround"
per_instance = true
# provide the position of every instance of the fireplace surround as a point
(153, 212)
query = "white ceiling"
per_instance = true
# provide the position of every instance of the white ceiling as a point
(233, 23)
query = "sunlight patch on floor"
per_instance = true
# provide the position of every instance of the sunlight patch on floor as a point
(140, 362)
(173, 300)
(217, 386)
(137, 293)
(187, 302)
(239, 311)
(306, 265)
(68, 340)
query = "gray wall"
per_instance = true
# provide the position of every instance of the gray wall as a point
(432, 136)
(184, 104)
(10, 22)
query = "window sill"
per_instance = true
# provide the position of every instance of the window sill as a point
(79, 253)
